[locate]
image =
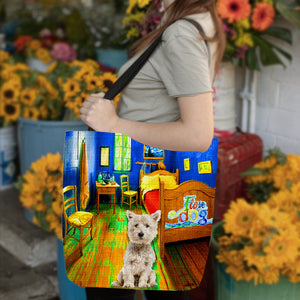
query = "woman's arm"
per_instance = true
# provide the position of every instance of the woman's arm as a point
(194, 132)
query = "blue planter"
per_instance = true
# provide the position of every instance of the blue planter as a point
(67, 289)
(37, 138)
(112, 57)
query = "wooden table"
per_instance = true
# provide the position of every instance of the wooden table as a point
(105, 189)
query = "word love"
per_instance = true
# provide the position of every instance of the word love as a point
(192, 211)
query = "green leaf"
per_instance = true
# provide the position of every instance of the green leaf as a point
(280, 156)
(253, 172)
(267, 239)
(41, 217)
(288, 10)
(280, 33)
(298, 213)
(288, 184)
(284, 53)
(50, 104)
(267, 55)
(252, 59)
(260, 252)
(236, 246)
(18, 184)
(246, 241)
(273, 230)
(47, 199)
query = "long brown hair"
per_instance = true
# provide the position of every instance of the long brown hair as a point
(180, 9)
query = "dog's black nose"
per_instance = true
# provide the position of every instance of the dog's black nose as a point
(141, 234)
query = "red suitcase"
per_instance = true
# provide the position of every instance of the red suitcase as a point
(235, 156)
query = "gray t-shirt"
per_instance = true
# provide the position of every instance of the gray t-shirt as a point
(179, 66)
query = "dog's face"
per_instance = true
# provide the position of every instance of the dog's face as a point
(142, 229)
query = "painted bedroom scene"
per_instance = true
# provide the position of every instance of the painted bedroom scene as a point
(109, 174)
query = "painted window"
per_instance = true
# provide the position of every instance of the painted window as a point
(122, 157)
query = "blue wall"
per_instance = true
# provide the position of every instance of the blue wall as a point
(94, 140)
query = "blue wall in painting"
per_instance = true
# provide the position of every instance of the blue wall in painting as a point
(94, 140)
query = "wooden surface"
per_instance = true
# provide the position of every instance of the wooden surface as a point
(107, 189)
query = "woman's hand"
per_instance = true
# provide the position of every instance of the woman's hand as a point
(99, 114)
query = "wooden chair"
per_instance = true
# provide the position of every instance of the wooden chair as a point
(77, 219)
(127, 195)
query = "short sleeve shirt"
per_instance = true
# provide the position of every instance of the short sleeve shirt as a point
(180, 66)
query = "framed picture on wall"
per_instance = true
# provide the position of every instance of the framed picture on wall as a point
(153, 153)
(104, 156)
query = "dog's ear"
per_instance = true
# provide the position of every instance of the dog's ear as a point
(156, 216)
(130, 214)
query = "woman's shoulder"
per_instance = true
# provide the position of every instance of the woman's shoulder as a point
(183, 28)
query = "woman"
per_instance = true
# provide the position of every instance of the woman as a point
(169, 102)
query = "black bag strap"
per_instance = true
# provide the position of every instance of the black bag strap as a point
(130, 73)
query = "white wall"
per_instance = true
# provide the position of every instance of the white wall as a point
(278, 101)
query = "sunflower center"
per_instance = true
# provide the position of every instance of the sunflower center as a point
(234, 6)
(245, 219)
(10, 109)
(72, 87)
(108, 83)
(9, 94)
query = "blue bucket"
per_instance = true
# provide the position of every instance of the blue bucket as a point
(67, 289)
(113, 58)
(37, 138)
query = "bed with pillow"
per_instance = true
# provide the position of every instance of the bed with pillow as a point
(186, 209)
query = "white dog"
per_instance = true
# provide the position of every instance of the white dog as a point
(139, 255)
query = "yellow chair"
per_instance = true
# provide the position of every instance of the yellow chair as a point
(78, 219)
(127, 195)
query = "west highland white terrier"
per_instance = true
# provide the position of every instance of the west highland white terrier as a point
(139, 255)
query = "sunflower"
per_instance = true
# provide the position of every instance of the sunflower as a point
(240, 217)
(117, 99)
(31, 113)
(273, 217)
(107, 80)
(21, 67)
(259, 231)
(28, 96)
(37, 180)
(8, 92)
(269, 275)
(281, 250)
(254, 258)
(34, 45)
(234, 10)
(52, 67)
(92, 82)
(10, 111)
(93, 63)
(71, 87)
(4, 56)
(263, 16)
(54, 162)
(44, 55)
(85, 71)
(44, 111)
(282, 200)
(267, 163)
(78, 103)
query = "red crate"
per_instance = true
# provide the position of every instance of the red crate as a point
(235, 156)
